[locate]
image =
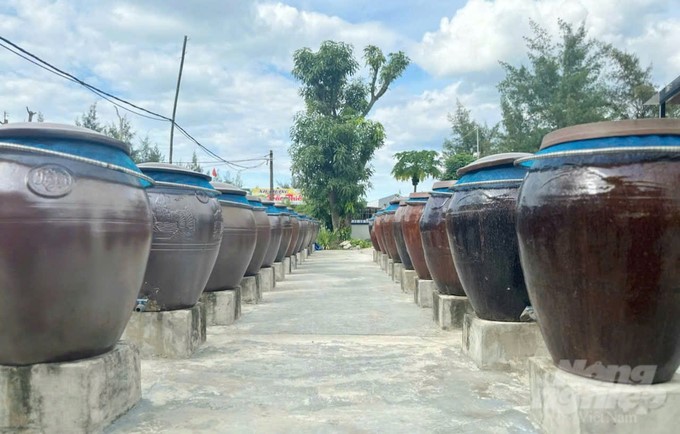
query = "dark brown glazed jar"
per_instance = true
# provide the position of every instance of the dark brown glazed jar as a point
(295, 233)
(398, 230)
(303, 232)
(378, 230)
(276, 233)
(480, 222)
(75, 234)
(286, 229)
(239, 235)
(187, 233)
(436, 249)
(411, 227)
(388, 230)
(372, 234)
(599, 232)
(263, 235)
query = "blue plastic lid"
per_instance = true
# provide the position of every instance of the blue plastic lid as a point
(72, 140)
(488, 172)
(256, 202)
(230, 193)
(170, 173)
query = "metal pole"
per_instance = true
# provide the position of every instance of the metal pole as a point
(271, 175)
(662, 110)
(174, 107)
(479, 155)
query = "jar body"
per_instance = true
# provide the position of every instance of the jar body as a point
(436, 249)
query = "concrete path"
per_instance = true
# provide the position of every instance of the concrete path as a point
(337, 347)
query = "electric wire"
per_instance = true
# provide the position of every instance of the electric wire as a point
(118, 102)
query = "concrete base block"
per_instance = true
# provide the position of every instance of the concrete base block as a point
(449, 310)
(298, 258)
(172, 334)
(424, 292)
(566, 403)
(408, 281)
(383, 262)
(396, 272)
(293, 262)
(250, 292)
(390, 267)
(83, 396)
(279, 271)
(265, 279)
(305, 254)
(376, 256)
(222, 307)
(501, 345)
(286, 265)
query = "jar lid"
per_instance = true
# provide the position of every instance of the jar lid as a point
(442, 185)
(600, 130)
(224, 187)
(418, 198)
(489, 161)
(171, 168)
(46, 130)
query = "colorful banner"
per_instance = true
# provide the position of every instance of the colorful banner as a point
(292, 194)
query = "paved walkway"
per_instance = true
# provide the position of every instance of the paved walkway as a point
(337, 347)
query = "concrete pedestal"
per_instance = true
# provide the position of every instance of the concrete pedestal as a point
(501, 345)
(448, 311)
(408, 281)
(83, 396)
(299, 258)
(424, 292)
(265, 279)
(566, 403)
(279, 271)
(390, 267)
(286, 265)
(383, 261)
(222, 307)
(376, 256)
(293, 262)
(250, 292)
(172, 334)
(397, 268)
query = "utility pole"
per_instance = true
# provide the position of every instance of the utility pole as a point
(174, 107)
(479, 155)
(271, 175)
(30, 114)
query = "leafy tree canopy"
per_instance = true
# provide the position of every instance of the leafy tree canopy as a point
(333, 142)
(415, 166)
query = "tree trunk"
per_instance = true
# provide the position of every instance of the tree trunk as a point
(415, 182)
(333, 206)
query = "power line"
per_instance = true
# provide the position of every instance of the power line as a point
(119, 102)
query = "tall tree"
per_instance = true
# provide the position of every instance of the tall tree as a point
(90, 119)
(194, 165)
(467, 135)
(333, 142)
(562, 86)
(630, 85)
(147, 152)
(416, 166)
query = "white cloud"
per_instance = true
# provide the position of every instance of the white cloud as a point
(483, 32)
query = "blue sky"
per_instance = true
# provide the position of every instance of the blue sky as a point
(237, 95)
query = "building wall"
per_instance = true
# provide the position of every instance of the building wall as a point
(360, 231)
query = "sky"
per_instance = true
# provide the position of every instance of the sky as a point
(238, 97)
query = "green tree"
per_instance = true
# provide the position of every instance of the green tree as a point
(454, 162)
(90, 119)
(563, 85)
(147, 152)
(415, 166)
(469, 139)
(333, 142)
(630, 85)
(194, 165)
